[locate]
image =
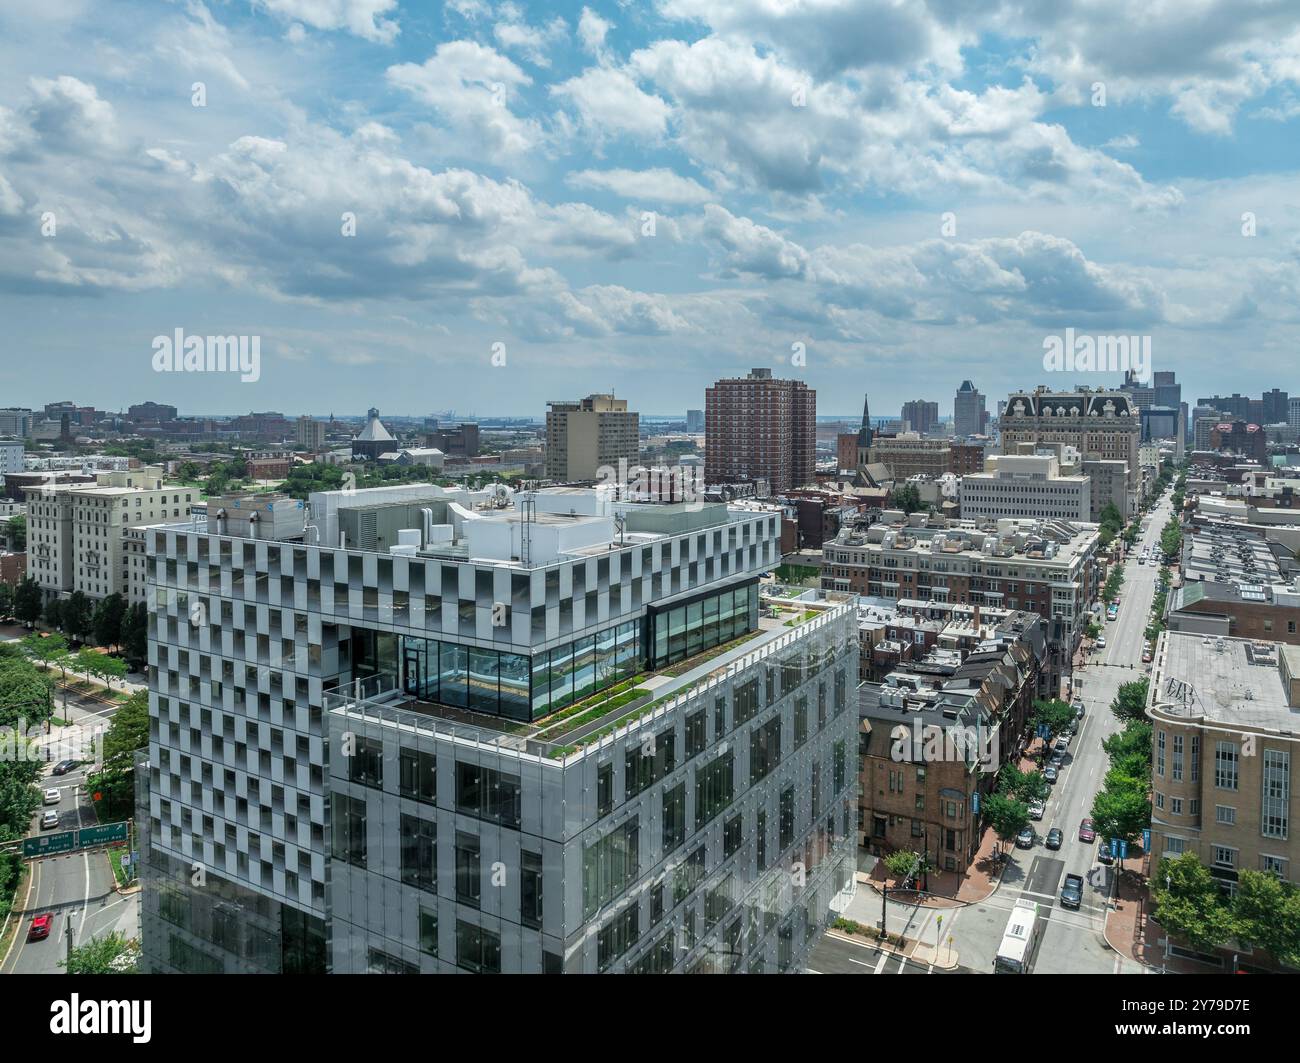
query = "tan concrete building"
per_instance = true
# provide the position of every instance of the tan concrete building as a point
(910, 455)
(76, 533)
(1225, 717)
(585, 436)
(1017, 485)
(1101, 425)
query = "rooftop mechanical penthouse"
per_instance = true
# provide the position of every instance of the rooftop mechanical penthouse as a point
(417, 729)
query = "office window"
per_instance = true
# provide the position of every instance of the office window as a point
(366, 765)
(1196, 758)
(1224, 856)
(477, 949)
(429, 931)
(604, 789)
(530, 889)
(417, 774)
(1160, 753)
(610, 865)
(760, 839)
(1225, 814)
(419, 844)
(379, 962)
(787, 818)
(349, 834)
(1225, 765)
(487, 794)
(731, 835)
(714, 788)
(617, 936)
(800, 721)
(1274, 818)
(696, 733)
(674, 819)
(469, 876)
(1176, 771)
(764, 749)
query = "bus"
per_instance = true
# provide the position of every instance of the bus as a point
(1020, 942)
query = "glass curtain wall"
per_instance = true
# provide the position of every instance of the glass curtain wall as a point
(682, 631)
(499, 683)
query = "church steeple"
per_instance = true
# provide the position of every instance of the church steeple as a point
(865, 434)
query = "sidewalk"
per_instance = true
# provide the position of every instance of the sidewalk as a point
(1131, 932)
(947, 889)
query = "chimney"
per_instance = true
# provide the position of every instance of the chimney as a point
(976, 619)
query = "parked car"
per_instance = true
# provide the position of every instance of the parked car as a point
(1146, 655)
(1101, 642)
(1050, 773)
(1086, 831)
(1054, 838)
(1025, 839)
(49, 820)
(1037, 809)
(65, 766)
(1072, 891)
(1103, 853)
(1058, 758)
(1078, 710)
(40, 927)
(52, 796)
(1063, 741)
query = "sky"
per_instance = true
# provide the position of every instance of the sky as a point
(483, 206)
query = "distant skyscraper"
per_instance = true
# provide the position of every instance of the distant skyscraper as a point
(968, 411)
(695, 421)
(760, 428)
(1293, 411)
(585, 436)
(1275, 406)
(920, 415)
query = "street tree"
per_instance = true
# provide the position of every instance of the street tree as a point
(1267, 914)
(1053, 714)
(114, 953)
(107, 623)
(1130, 701)
(27, 602)
(77, 614)
(1121, 813)
(1006, 815)
(1189, 904)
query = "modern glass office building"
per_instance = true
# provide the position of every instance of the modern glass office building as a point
(529, 686)
(495, 612)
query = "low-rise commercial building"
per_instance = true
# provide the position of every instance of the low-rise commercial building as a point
(1224, 738)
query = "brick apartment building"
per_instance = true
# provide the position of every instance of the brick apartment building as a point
(981, 685)
(760, 428)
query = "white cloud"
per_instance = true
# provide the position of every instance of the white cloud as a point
(362, 18)
(656, 185)
(468, 85)
(592, 30)
(531, 42)
(609, 102)
(68, 115)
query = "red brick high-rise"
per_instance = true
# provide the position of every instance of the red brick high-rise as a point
(760, 428)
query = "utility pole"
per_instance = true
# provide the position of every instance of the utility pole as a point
(69, 937)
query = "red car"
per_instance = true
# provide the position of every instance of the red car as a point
(1086, 833)
(40, 927)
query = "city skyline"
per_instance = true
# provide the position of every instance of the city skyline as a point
(383, 195)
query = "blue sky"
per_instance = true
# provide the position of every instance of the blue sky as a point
(501, 161)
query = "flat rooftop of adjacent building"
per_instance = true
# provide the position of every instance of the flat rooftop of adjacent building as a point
(1232, 681)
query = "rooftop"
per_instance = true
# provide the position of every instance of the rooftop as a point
(1227, 681)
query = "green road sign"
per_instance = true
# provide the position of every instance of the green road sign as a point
(45, 844)
(102, 833)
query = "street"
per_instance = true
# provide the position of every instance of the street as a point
(75, 887)
(1072, 941)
